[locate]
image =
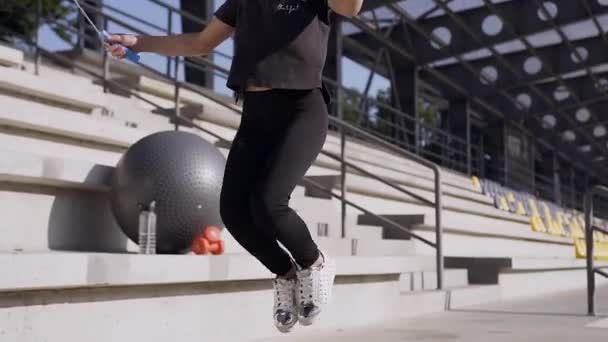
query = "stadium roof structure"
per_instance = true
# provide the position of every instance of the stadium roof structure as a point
(539, 65)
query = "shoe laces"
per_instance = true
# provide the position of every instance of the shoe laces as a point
(284, 294)
(307, 291)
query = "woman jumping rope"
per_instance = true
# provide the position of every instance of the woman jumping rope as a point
(280, 47)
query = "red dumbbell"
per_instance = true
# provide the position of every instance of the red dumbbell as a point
(210, 241)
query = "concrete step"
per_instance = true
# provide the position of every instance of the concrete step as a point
(45, 88)
(523, 264)
(10, 57)
(76, 183)
(471, 238)
(28, 142)
(118, 292)
(484, 270)
(359, 151)
(531, 283)
(123, 108)
(344, 247)
(419, 303)
(41, 214)
(177, 310)
(467, 244)
(368, 187)
(56, 270)
(468, 234)
(427, 280)
(65, 76)
(372, 155)
(81, 128)
(406, 172)
(61, 172)
(85, 133)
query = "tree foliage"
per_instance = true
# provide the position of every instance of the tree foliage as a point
(386, 122)
(19, 16)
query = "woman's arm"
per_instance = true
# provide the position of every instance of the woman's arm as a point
(347, 8)
(187, 44)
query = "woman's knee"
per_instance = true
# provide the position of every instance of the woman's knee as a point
(266, 206)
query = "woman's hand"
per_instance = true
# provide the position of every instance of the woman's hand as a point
(346, 8)
(116, 44)
(187, 44)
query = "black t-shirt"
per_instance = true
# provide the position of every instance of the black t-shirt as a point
(277, 43)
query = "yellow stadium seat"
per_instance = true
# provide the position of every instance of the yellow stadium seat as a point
(567, 223)
(600, 249)
(561, 224)
(520, 209)
(577, 230)
(534, 207)
(537, 224)
(546, 209)
(581, 220)
(504, 205)
(511, 197)
(476, 182)
(550, 222)
(599, 236)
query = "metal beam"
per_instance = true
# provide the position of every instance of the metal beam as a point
(398, 47)
(369, 5)
(588, 93)
(559, 57)
(524, 13)
(513, 32)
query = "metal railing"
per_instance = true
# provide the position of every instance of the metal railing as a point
(437, 145)
(590, 230)
(178, 120)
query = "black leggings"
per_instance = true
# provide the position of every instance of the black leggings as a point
(281, 134)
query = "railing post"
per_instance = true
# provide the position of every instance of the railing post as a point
(588, 203)
(438, 229)
(340, 114)
(37, 37)
(417, 128)
(469, 152)
(82, 37)
(176, 99)
(106, 61)
(343, 176)
(169, 32)
(176, 61)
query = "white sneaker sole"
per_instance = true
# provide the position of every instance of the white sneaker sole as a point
(285, 329)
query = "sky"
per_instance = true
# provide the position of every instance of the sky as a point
(354, 75)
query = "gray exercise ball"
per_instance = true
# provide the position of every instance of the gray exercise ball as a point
(182, 173)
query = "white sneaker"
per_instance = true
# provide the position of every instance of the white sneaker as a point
(285, 309)
(314, 290)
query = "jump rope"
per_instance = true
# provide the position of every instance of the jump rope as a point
(105, 36)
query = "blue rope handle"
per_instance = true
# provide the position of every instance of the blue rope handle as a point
(131, 55)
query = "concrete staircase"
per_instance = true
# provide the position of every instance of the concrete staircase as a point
(65, 258)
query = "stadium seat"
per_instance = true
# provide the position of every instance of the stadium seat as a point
(534, 207)
(476, 183)
(600, 249)
(538, 225)
(520, 209)
(577, 231)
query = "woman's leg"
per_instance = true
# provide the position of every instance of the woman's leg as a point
(243, 170)
(299, 129)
